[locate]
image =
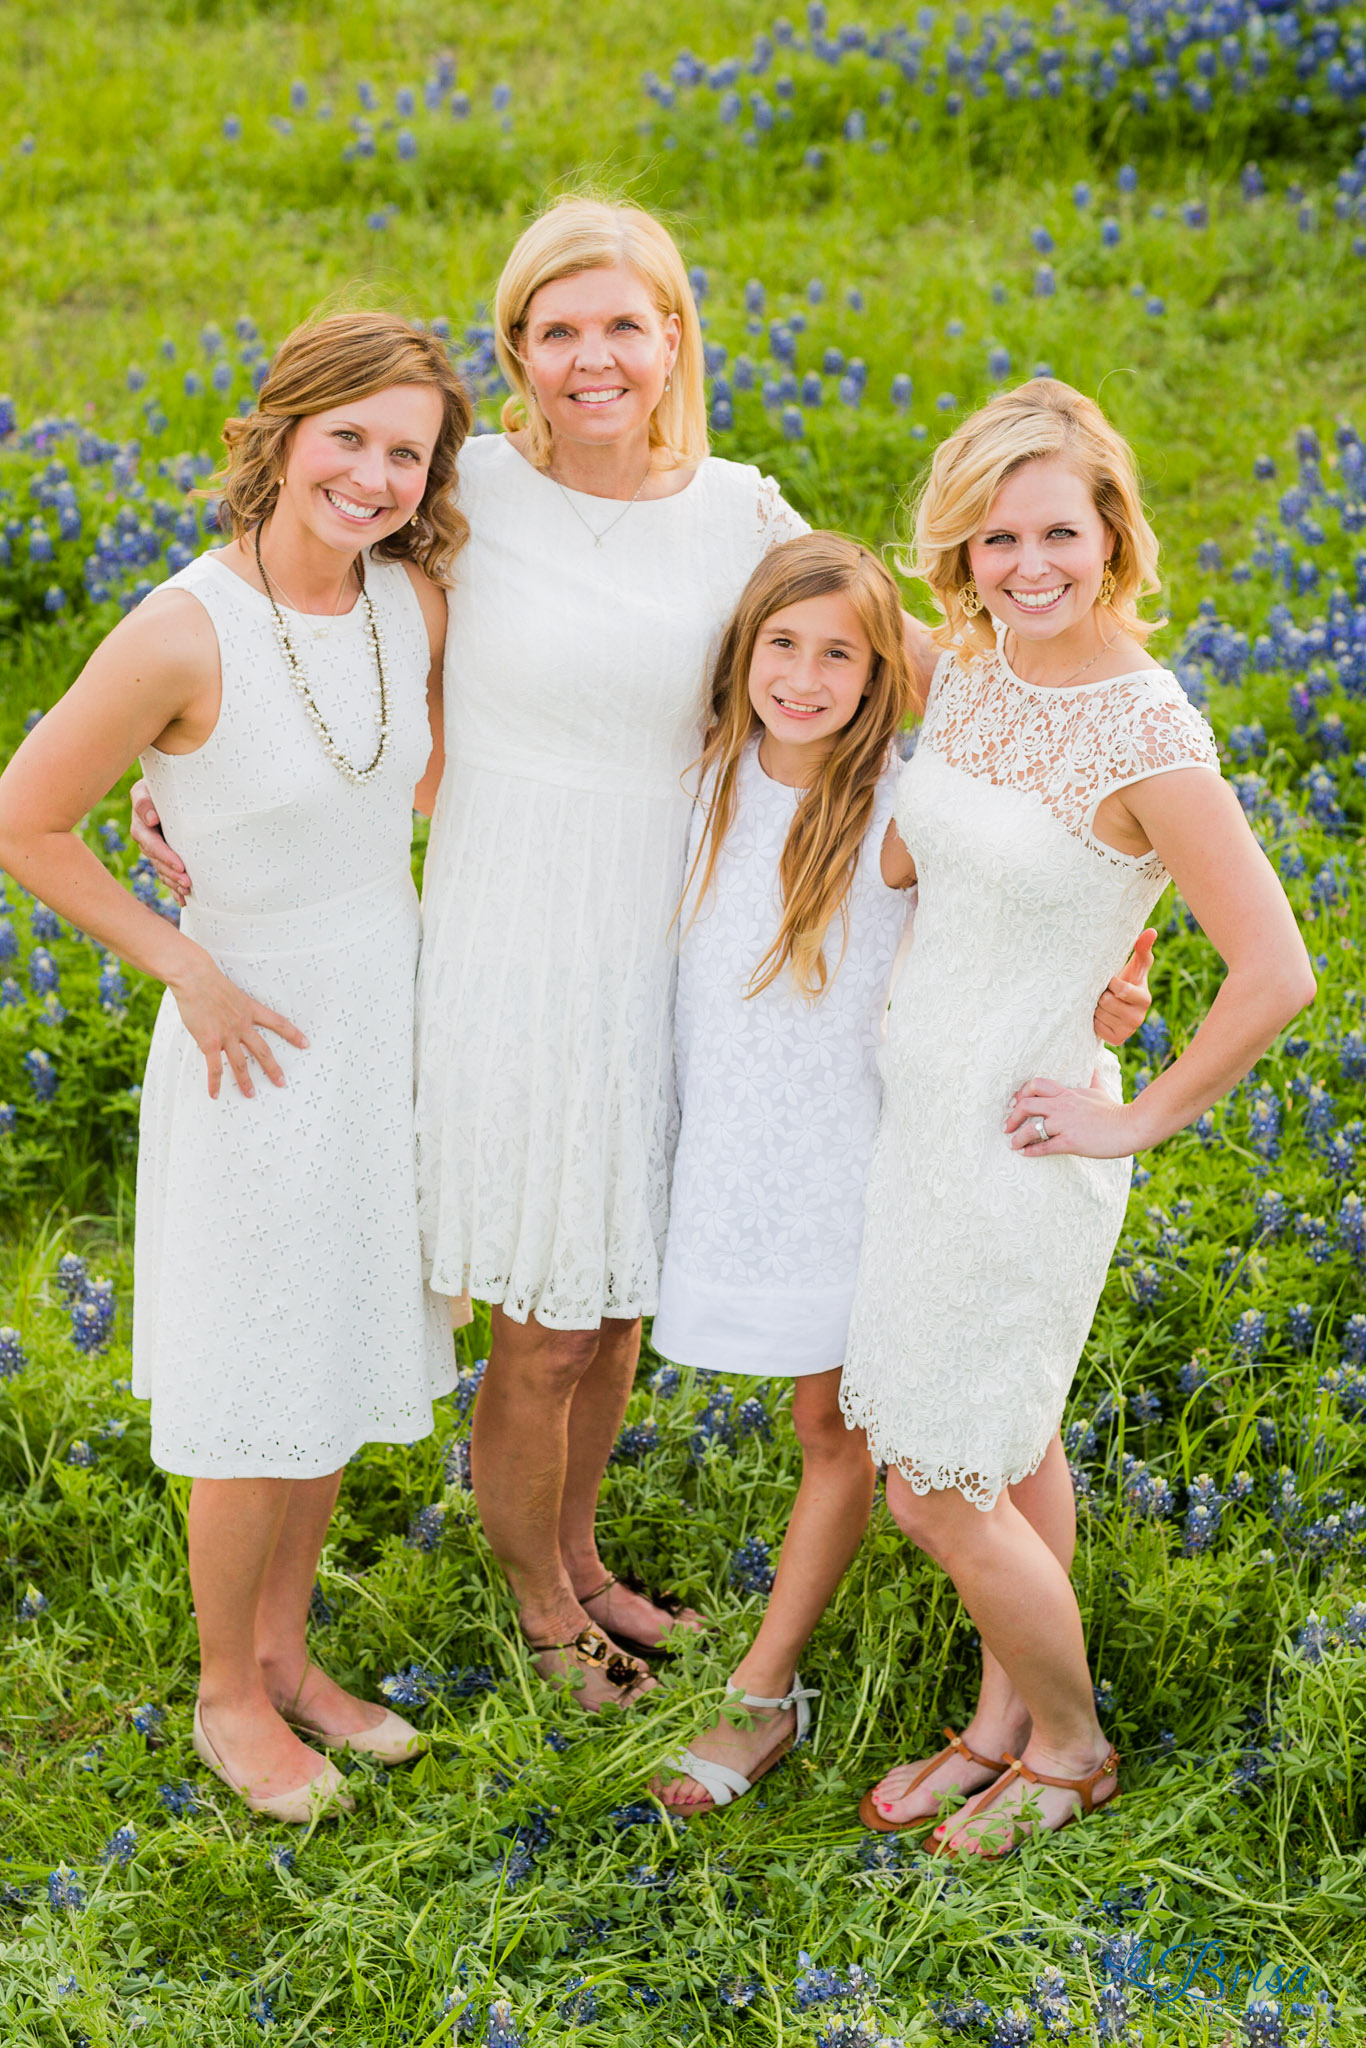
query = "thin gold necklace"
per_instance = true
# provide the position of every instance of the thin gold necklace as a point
(599, 536)
(1090, 662)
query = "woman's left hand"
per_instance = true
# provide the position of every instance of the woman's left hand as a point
(1088, 1121)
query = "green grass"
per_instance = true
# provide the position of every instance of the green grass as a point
(134, 219)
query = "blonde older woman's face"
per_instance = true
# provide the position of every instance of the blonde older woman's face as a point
(1040, 555)
(597, 352)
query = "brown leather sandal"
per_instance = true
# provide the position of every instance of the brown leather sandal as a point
(592, 1650)
(869, 1814)
(1084, 1788)
(671, 1604)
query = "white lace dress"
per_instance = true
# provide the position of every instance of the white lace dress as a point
(574, 690)
(981, 1269)
(279, 1315)
(779, 1100)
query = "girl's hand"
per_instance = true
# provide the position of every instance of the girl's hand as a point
(145, 827)
(1087, 1121)
(1125, 1002)
(226, 1024)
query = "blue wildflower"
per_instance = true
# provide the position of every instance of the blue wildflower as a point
(121, 1846)
(639, 1815)
(412, 1688)
(426, 1527)
(43, 973)
(666, 1382)
(13, 1358)
(1249, 1334)
(750, 1570)
(737, 1992)
(1299, 1326)
(33, 1604)
(64, 1891)
(82, 1455)
(148, 1719)
(42, 1074)
(179, 1800)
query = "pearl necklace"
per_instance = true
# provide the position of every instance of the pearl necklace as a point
(300, 682)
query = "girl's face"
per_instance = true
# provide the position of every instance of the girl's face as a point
(809, 671)
(597, 352)
(358, 472)
(1039, 558)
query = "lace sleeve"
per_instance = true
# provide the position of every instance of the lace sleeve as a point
(776, 519)
(1165, 732)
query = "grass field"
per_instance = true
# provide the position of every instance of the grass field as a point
(952, 203)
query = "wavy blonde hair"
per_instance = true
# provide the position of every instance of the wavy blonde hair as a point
(330, 362)
(577, 234)
(833, 814)
(1040, 419)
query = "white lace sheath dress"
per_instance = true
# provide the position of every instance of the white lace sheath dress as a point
(779, 1099)
(981, 1269)
(279, 1317)
(574, 691)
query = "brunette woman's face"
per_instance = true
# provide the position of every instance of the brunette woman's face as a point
(1039, 557)
(810, 669)
(358, 472)
(597, 352)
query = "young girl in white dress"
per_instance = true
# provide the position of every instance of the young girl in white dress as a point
(790, 931)
(1061, 778)
(276, 690)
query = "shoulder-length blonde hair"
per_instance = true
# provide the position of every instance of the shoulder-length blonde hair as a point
(577, 234)
(833, 814)
(331, 362)
(1039, 419)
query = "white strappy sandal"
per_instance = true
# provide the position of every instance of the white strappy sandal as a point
(719, 1781)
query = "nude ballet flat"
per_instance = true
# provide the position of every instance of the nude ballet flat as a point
(321, 1797)
(393, 1741)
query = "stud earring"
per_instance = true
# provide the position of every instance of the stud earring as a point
(1106, 594)
(970, 599)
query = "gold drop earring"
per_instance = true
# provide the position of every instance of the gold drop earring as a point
(1106, 594)
(970, 599)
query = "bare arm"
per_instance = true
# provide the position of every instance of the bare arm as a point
(922, 652)
(432, 599)
(1194, 821)
(153, 682)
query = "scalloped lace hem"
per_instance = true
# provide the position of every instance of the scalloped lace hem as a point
(923, 1475)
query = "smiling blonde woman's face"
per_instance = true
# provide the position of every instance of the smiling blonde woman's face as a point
(1039, 557)
(597, 352)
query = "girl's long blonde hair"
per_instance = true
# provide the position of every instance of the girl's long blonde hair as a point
(579, 233)
(833, 814)
(1039, 419)
(332, 361)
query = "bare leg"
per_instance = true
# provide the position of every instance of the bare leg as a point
(235, 1526)
(595, 1416)
(1021, 1599)
(828, 1519)
(1000, 1720)
(519, 1458)
(293, 1682)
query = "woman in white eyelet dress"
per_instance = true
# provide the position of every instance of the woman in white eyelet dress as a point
(981, 1268)
(573, 707)
(276, 1246)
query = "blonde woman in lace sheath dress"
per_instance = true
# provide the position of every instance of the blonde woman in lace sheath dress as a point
(1060, 780)
(277, 691)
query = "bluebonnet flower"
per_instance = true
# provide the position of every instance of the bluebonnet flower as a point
(1270, 1213)
(816, 1986)
(412, 1688)
(750, 1570)
(261, 2008)
(282, 1857)
(455, 1463)
(121, 1846)
(45, 923)
(751, 1419)
(500, 2029)
(72, 1277)
(903, 390)
(1313, 1232)
(33, 1604)
(426, 1527)
(998, 363)
(1045, 282)
(1109, 232)
(581, 2005)
(321, 1612)
(502, 98)
(1042, 241)
(113, 993)
(82, 1455)
(467, 1383)
(1266, 1434)
(968, 2018)
(1249, 1334)
(1350, 1228)
(1320, 1111)
(13, 1358)
(1144, 1406)
(1147, 1285)
(1103, 1693)
(148, 1719)
(43, 972)
(712, 1426)
(639, 1815)
(64, 1891)
(1154, 1035)
(92, 1317)
(666, 1381)
(1299, 1326)
(881, 1855)
(405, 142)
(1353, 1340)
(232, 127)
(179, 1800)
(737, 1992)
(1146, 1494)
(1204, 1508)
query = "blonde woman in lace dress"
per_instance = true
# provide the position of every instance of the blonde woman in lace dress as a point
(1061, 779)
(276, 690)
(607, 550)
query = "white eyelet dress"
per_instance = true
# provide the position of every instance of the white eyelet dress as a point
(279, 1318)
(779, 1100)
(981, 1269)
(574, 693)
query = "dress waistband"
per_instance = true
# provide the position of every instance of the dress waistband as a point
(306, 927)
(553, 771)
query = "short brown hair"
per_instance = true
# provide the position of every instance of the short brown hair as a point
(329, 362)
